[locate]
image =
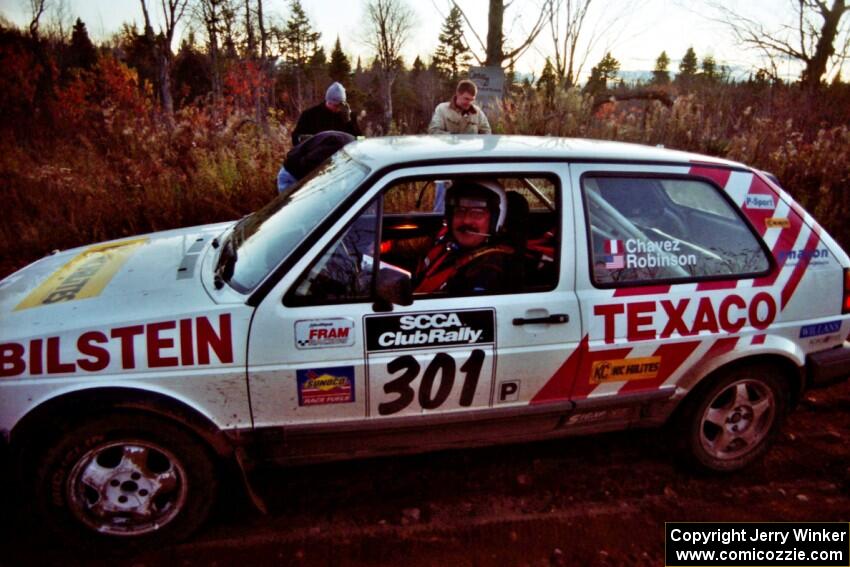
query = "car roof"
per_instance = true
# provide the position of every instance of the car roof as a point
(393, 150)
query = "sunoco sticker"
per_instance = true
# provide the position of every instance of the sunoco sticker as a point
(624, 369)
(428, 330)
(321, 386)
(320, 333)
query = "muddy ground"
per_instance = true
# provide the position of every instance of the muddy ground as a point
(599, 500)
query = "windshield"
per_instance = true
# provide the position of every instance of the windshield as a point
(261, 241)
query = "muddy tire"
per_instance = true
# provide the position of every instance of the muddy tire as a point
(730, 422)
(121, 482)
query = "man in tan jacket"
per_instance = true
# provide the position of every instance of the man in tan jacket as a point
(460, 115)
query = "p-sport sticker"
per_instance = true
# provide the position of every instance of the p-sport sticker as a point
(84, 276)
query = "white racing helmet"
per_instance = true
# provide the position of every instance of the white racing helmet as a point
(478, 193)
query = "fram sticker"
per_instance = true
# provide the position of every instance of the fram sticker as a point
(774, 222)
(820, 329)
(427, 330)
(624, 369)
(764, 202)
(321, 333)
(84, 276)
(322, 386)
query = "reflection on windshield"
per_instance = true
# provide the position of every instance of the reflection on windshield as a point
(264, 239)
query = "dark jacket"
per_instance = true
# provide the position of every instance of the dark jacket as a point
(319, 118)
(309, 154)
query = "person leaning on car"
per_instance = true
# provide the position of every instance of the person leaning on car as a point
(331, 114)
(473, 255)
(460, 115)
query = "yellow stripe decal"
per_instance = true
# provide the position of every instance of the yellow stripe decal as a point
(84, 276)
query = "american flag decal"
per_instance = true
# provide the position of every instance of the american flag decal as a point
(614, 255)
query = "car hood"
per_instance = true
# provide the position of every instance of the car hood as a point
(123, 280)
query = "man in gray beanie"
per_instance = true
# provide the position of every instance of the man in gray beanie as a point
(331, 114)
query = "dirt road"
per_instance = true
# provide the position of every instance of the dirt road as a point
(601, 500)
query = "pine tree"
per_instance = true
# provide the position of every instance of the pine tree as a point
(298, 42)
(81, 53)
(452, 56)
(547, 81)
(606, 69)
(709, 68)
(661, 74)
(687, 68)
(339, 68)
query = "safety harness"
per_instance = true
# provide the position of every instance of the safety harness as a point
(437, 271)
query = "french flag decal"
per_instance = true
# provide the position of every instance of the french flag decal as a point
(614, 255)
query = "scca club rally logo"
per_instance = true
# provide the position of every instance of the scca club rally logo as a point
(422, 330)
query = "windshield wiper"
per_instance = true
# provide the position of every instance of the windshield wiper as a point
(226, 263)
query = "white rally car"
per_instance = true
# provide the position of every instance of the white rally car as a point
(649, 286)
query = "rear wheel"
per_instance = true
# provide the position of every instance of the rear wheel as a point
(125, 480)
(731, 422)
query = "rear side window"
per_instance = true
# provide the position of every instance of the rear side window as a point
(654, 229)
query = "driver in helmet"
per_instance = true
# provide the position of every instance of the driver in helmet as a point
(471, 256)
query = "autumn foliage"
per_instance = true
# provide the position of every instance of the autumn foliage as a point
(87, 154)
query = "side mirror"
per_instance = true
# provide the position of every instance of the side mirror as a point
(394, 287)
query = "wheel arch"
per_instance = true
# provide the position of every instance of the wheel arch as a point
(787, 367)
(48, 419)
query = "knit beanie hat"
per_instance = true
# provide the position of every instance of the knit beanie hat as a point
(335, 93)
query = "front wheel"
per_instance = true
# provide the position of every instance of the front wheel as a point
(731, 422)
(125, 480)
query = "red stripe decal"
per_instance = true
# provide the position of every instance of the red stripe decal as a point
(800, 268)
(785, 243)
(759, 339)
(717, 174)
(558, 386)
(582, 386)
(645, 290)
(712, 286)
(672, 357)
(722, 346)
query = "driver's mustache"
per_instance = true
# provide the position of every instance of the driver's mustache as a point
(468, 229)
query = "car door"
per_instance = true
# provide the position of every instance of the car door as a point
(330, 361)
(666, 280)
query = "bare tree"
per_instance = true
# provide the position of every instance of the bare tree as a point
(388, 25)
(210, 14)
(809, 39)
(496, 55)
(172, 12)
(37, 8)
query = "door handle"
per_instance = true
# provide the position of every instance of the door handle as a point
(558, 318)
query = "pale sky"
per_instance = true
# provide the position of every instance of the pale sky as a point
(640, 29)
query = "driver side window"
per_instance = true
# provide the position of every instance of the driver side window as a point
(414, 233)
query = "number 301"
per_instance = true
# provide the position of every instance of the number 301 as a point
(442, 364)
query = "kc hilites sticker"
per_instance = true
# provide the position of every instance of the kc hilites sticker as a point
(321, 333)
(322, 386)
(624, 369)
(428, 330)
